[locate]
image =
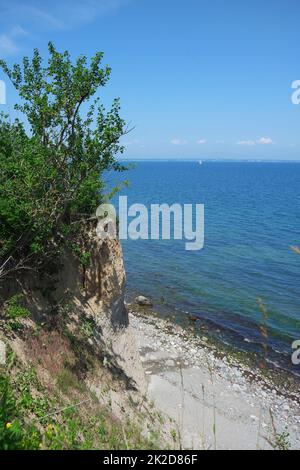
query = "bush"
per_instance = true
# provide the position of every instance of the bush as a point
(51, 175)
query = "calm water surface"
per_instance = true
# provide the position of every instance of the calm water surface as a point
(252, 217)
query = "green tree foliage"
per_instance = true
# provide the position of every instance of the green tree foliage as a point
(51, 164)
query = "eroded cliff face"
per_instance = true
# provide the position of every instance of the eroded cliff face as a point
(92, 294)
(103, 289)
(73, 358)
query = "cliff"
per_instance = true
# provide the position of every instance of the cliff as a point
(68, 338)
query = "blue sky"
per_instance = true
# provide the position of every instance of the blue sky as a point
(197, 78)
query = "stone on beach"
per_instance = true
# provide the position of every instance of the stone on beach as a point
(143, 301)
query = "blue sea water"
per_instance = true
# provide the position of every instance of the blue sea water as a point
(252, 217)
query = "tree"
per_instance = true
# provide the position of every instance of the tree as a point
(51, 174)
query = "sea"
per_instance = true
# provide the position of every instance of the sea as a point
(252, 219)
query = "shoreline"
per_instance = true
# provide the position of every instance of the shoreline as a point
(252, 353)
(203, 388)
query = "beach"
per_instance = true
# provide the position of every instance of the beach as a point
(212, 402)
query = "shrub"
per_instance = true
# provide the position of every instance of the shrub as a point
(51, 174)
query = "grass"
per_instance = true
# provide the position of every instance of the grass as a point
(87, 328)
(69, 428)
(48, 405)
(280, 440)
(14, 308)
(13, 311)
(67, 380)
(34, 417)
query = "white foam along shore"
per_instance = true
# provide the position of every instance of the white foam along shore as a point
(213, 402)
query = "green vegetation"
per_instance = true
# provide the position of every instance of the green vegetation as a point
(13, 435)
(282, 441)
(66, 380)
(13, 311)
(31, 418)
(14, 308)
(51, 167)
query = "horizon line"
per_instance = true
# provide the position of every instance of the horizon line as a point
(209, 160)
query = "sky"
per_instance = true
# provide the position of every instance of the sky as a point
(197, 79)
